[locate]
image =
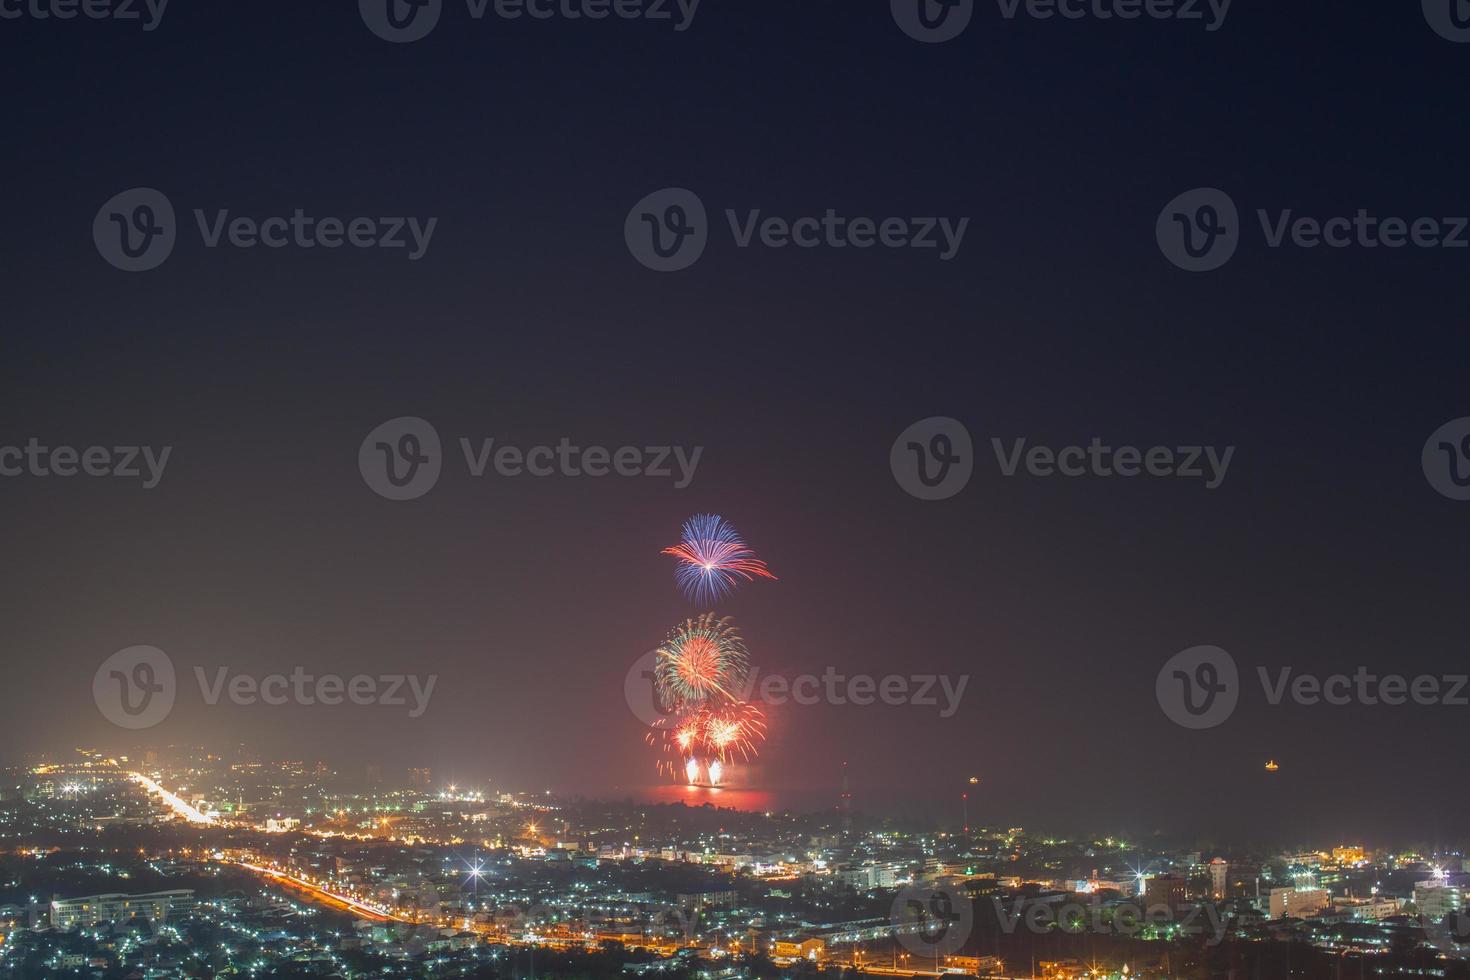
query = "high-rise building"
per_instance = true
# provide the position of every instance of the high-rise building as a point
(421, 777)
(1437, 898)
(1219, 878)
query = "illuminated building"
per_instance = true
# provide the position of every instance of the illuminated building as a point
(1219, 878)
(1437, 898)
(1297, 903)
(93, 909)
(1165, 891)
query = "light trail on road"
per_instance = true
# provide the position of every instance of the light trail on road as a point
(174, 802)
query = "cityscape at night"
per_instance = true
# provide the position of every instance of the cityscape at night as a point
(187, 862)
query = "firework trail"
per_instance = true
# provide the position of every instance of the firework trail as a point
(713, 559)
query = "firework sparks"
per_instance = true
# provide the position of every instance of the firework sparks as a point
(702, 659)
(714, 559)
(719, 735)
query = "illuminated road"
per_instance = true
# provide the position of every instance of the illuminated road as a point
(175, 803)
(322, 895)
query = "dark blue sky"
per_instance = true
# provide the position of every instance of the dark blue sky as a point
(529, 321)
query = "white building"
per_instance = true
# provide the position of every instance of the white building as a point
(1437, 898)
(1298, 903)
(69, 913)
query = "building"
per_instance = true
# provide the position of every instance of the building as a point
(710, 898)
(887, 874)
(71, 913)
(1368, 909)
(1298, 903)
(1165, 891)
(1437, 898)
(1219, 878)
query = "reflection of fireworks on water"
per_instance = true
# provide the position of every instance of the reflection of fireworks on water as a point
(704, 743)
(713, 559)
(702, 659)
(731, 731)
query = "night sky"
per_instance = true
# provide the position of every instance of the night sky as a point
(528, 320)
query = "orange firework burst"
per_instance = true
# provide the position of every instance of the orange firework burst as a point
(703, 659)
(731, 731)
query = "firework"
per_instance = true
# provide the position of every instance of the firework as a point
(704, 659)
(713, 559)
(706, 740)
